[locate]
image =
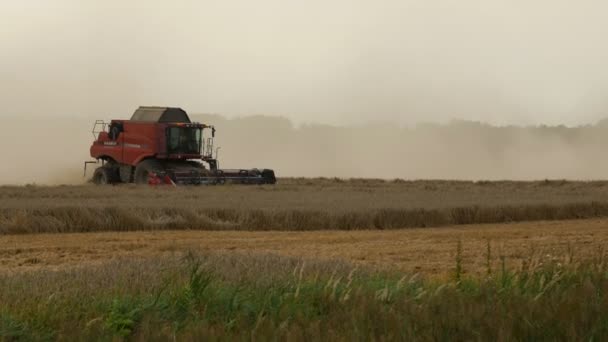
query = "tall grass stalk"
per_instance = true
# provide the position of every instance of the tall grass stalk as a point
(488, 258)
(458, 270)
(245, 297)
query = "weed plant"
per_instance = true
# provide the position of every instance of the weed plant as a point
(247, 297)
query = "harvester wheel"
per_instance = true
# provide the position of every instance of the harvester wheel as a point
(143, 169)
(103, 176)
(269, 177)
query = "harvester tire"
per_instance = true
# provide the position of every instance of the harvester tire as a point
(103, 176)
(143, 169)
(269, 177)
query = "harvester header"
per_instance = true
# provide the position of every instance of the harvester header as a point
(161, 145)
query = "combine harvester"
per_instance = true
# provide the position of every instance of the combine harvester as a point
(160, 145)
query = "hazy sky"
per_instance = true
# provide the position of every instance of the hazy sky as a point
(334, 61)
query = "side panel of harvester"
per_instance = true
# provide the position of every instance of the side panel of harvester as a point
(130, 144)
(140, 140)
(106, 148)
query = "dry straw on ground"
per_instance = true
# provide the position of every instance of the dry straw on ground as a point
(429, 251)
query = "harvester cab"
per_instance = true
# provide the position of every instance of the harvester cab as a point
(160, 145)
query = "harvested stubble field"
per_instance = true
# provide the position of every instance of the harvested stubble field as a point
(296, 204)
(427, 251)
(135, 263)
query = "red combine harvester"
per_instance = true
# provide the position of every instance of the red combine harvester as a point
(160, 145)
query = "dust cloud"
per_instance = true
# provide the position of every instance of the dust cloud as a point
(461, 150)
(338, 62)
(346, 84)
(44, 151)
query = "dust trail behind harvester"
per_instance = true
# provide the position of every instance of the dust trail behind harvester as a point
(45, 151)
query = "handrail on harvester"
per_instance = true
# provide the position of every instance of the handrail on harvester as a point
(95, 129)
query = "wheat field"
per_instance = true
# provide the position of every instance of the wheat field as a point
(308, 259)
(296, 204)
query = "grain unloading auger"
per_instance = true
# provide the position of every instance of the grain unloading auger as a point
(160, 145)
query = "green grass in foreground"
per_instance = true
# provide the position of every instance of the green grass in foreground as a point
(245, 297)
